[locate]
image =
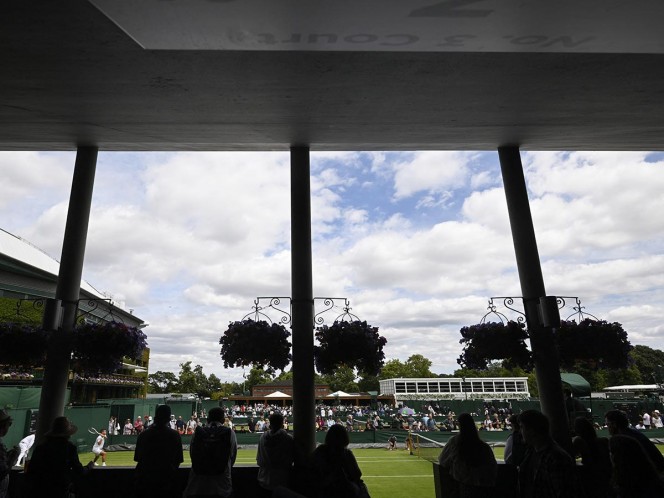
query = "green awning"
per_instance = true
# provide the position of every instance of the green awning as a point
(578, 385)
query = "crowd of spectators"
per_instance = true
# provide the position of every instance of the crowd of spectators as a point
(359, 418)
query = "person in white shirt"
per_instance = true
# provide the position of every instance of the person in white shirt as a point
(24, 445)
(646, 420)
(191, 425)
(98, 449)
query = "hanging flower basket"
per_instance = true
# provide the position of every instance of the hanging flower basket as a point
(257, 343)
(22, 345)
(100, 347)
(593, 341)
(488, 341)
(355, 344)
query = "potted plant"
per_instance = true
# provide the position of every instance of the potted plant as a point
(355, 344)
(488, 341)
(258, 343)
(593, 341)
(100, 347)
(22, 344)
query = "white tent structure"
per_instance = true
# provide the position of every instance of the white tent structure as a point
(341, 394)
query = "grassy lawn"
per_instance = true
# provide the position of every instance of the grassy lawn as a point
(383, 471)
(386, 473)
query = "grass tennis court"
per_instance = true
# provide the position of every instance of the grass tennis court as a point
(386, 473)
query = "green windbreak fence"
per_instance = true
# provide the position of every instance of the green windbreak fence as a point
(22, 397)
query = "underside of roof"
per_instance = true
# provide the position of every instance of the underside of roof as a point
(240, 75)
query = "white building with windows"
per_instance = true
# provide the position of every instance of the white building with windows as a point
(456, 388)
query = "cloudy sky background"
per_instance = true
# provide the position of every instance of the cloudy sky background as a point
(417, 241)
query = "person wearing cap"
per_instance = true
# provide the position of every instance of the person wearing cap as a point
(7, 457)
(656, 420)
(158, 455)
(54, 466)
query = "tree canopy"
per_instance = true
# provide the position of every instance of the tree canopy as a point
(189, 380)
(416, 366)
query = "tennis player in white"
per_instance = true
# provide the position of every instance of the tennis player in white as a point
(98, 448)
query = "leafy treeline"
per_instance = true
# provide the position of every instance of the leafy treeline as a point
(646, 366)
(344, 378)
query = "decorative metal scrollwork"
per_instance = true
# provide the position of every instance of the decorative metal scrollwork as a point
(508, 302)
(578, 309)
(37, 305)
(329, 303)
(92, 306)
(259, 311)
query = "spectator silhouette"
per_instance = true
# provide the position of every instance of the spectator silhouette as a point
(469, 461)
(337, 472)
(54, 467)
(618, 423)
(515, 448)
(158, 455)
(594, 453)
(213, 451)
(547, 470)
(275, 455)
(634, 475)
(7, 457)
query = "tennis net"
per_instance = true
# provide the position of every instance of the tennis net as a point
(426, 448)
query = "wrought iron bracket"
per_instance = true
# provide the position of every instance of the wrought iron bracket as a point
(262, 311)
(508, 302)
(578, 309)
(38, 304)
(548, 308)
(330, 303)
(93, 305)
(274, 303)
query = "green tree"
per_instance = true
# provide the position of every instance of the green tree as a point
(257, 376)
(162, 382)
(187, 382)
(393, 369)
(214, 383)
(368, 383)
(417, 366)
(649, 362)
(285, 375)
(343, 379)
(226, 389)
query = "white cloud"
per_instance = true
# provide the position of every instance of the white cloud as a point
(189, 240)
(433, 172)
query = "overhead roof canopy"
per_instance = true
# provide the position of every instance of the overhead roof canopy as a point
(577, 384)
(334, 75)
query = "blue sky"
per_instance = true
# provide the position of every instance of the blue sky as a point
(416, 241)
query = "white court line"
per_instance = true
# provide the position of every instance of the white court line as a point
(408, 475)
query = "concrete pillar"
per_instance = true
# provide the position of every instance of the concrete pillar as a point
(60, 314)
(302, 306)
(547, 368)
